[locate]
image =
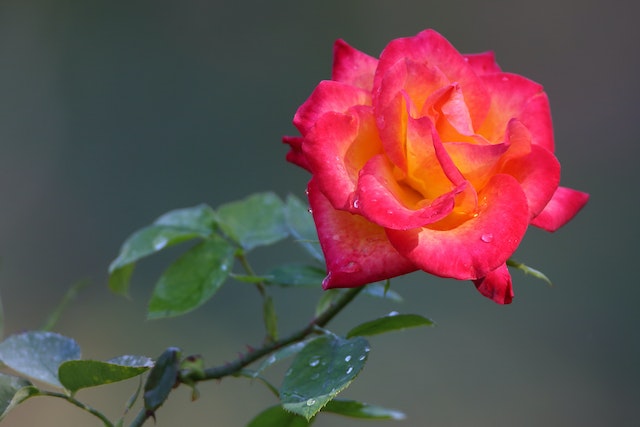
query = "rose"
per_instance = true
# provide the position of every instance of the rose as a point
(427, 159)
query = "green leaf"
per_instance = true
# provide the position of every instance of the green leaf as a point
(326, 299)
(378, 290)
(351, 408)
(297, 275)
(192, 279)
(38, 354)
(281, 354)
(324, 367)
(170, 229)
(255, 221)
(270, 318)
(391, 322)
(77, 374)
(162, 378)
(528, 270)
(14, 391)
(301, 226)
(276, 416)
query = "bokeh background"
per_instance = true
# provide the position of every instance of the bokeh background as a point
(112, 113)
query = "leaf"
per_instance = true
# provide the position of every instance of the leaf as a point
(77, 374)
(13, 391)
(529, 270)
(281, 354)
(170, 229)
(391, 322)
(255, 221)
(38, 354)
(162, 378)
(351, 408)
(324, 367)
(296, 275)
(276, 416)
(302, 227)
(192, 279)
(68, 297)
(378, 290)
(326, 299)
(270, 319)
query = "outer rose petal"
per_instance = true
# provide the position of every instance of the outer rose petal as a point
(479, 245)
(563, 206)
(496, 285)
(295, 155)
(352, 66)
(336, 148)
(328, 96)
(357, 252)
(483, 63)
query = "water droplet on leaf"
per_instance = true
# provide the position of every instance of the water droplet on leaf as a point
(314, 363)
(159, 243)
(349, 370)
(346, 359)
(311, 402)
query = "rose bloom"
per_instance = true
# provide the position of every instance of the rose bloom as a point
(427, 159)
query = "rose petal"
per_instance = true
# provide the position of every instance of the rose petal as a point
(352, 66)
(477, 246)
(357, 252)
(295, 155)
(429, 47)
(328, 96)
(483, 63)
(382, 200)
(496, 285)
(337, 147)
(562, 207)
(515, 97)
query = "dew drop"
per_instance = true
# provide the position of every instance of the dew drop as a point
(306, 191)
(487, 238)
(159, 243)
(361, 358)
(311, 402)
(348, 358)
(349, 370)
(356, 204)
(314, 363)
(393, 313)
(310, 210)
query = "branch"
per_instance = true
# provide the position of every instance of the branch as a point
(246, 359)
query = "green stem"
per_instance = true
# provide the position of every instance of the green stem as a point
(79, 404)
(246, 359)
(247, 267)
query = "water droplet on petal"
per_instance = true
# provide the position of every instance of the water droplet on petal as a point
(352, 267)
(310, 210)
(356, 203)
(487, 237)
(346, 359)
(311, 402)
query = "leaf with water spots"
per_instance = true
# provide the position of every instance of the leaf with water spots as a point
(38, 354)
(324, 367)
(391, 322)
(170, 229)
(192, 279)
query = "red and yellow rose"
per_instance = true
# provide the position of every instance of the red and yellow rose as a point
(427, 159)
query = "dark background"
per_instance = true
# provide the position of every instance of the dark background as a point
(112, 113)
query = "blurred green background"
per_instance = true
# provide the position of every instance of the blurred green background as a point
(112, 113)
